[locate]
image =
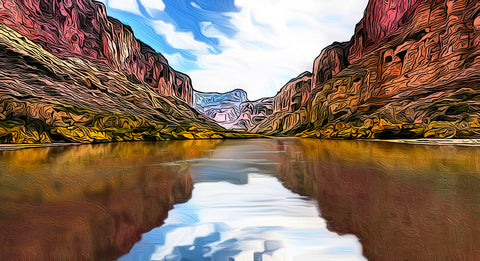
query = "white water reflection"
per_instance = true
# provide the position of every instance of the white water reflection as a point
(237, 214)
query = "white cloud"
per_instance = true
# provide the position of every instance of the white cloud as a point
(124, 5)
(179, 40)
(153, 5)
(277, 40)
(195, 5)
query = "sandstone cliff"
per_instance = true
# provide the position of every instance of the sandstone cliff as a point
(70, 74)
(410, 70)
(81, 28)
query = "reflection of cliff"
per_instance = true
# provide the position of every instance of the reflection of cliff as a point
(404, 202)
(97, 207)
(410, 70)
(68, 73)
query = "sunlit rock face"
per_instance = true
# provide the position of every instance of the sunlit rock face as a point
(329, 63)
(292, 97)
(410, 70)
(224, 108)
(294, 94)
(81, 29)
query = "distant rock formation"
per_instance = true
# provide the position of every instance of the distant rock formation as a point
(232, 110)
(224, 108)
(412, 69)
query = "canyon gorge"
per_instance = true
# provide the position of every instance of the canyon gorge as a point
(193, 187)
(70, 73)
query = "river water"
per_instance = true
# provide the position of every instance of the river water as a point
(261, 199)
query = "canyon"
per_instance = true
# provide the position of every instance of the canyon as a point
(70, 73)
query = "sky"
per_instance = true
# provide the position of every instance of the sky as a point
(254, 45)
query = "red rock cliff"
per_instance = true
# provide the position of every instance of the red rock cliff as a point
(81, 28)
(294, 94)
(382, 20)
(70, 74)
(410, 70)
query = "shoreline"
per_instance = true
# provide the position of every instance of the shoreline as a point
(12, 146)
(434, 142)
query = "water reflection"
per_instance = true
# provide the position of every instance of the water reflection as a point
(89, 202)
(404, 202)
(240, 211)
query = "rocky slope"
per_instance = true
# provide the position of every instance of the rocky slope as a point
(410, 70)
(82, 29)
(68, 73)
(224, 108)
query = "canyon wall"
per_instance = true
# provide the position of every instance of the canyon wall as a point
(82, 29)
(294, 94)
(410, 70)
(69, 73)
(252, 113)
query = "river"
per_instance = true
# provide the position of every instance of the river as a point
(259, 199)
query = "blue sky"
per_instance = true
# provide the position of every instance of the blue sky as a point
(255, 45)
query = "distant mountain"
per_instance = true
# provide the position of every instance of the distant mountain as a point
(411, 70)
(224, 108)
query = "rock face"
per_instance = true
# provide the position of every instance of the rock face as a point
(224, 108)
(81, 29)
(294, 94)
(70, 74)
(252, 113)
(411, 70)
